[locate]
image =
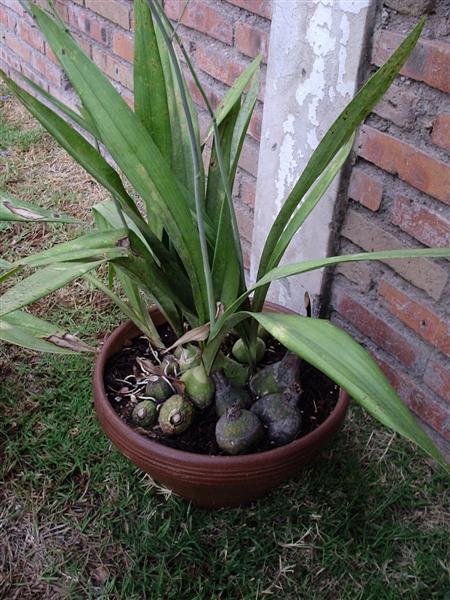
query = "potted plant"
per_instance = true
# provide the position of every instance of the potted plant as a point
(200, 358)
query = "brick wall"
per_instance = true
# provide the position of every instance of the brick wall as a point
(399, 196)
(223, 36)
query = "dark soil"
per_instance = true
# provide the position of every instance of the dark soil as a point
(319, 397)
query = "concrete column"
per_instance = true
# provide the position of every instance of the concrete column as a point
(315, 52)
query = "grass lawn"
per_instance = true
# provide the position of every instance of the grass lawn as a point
(369, 520)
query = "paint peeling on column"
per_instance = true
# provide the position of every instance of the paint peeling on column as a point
(287, 164)
(343, 86)
(312, 90)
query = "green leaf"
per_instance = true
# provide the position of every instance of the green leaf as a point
(28, 331)
(133, 149)
(141, 318)
(76, 145)
(42, 283)
(311, 201)
(12, 209)
(242, 124)
(337, 135)
(73, 115)
(226, 269)
(150, 99)
(312, 265)
(182, 151)
(336, 354)
(234, 93)
(93, 246)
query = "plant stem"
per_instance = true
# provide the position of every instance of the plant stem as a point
(196, 159)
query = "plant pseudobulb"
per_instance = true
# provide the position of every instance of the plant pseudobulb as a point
(198, 386)
(144, 413)
(238, 430)
(282, 376)
(241, 352)
(158, 388)
(175, 415)
(280, 415)
(235, 372)
(227, 395)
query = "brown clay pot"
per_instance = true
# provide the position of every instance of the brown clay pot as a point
(208, 481)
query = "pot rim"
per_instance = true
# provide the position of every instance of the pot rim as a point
(105, 412)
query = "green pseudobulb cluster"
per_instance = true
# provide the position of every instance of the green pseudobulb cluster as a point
(249, 407)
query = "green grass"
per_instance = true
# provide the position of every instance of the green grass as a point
(369, 520)
(11, 135)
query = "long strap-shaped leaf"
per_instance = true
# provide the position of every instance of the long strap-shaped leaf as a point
(312, 265)
(310, 202)
(150, 99)
(28, 331)
(234, 93)
(66, 110)
(93, 246)
(338, 134)
(42, 283)
(75, 144)
(132, 148)
(12, 209)
(141, 319)
(335, 353)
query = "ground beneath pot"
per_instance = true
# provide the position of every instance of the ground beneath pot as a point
(318, 398)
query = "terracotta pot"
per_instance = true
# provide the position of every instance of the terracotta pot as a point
(209, 481)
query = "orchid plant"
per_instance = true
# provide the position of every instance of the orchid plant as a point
(174, 241)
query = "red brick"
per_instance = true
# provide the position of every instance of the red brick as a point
(63, 10)
(218, 65)
(14, 5)
(247, 191)
(212, 95)
(358, 273)
(365, 189)
(252, 41)
(426, 225)
(31, 35)
(415, 167)
(417, 399)
(203, 18)
(441, 131)
(8, 18)
(437, 377)
(249, 157)
(422, 272)
(399, 106)
(51, 72)
(254, 127)
(86, 22)
(17, 46)
(84, 44)
(123, 45)
(429, 61)
(113, 10)
(245, 222)
(263, 8)
(113, 68)
(377, 329)
(50, 54)
(415, 8)
(418, 316)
